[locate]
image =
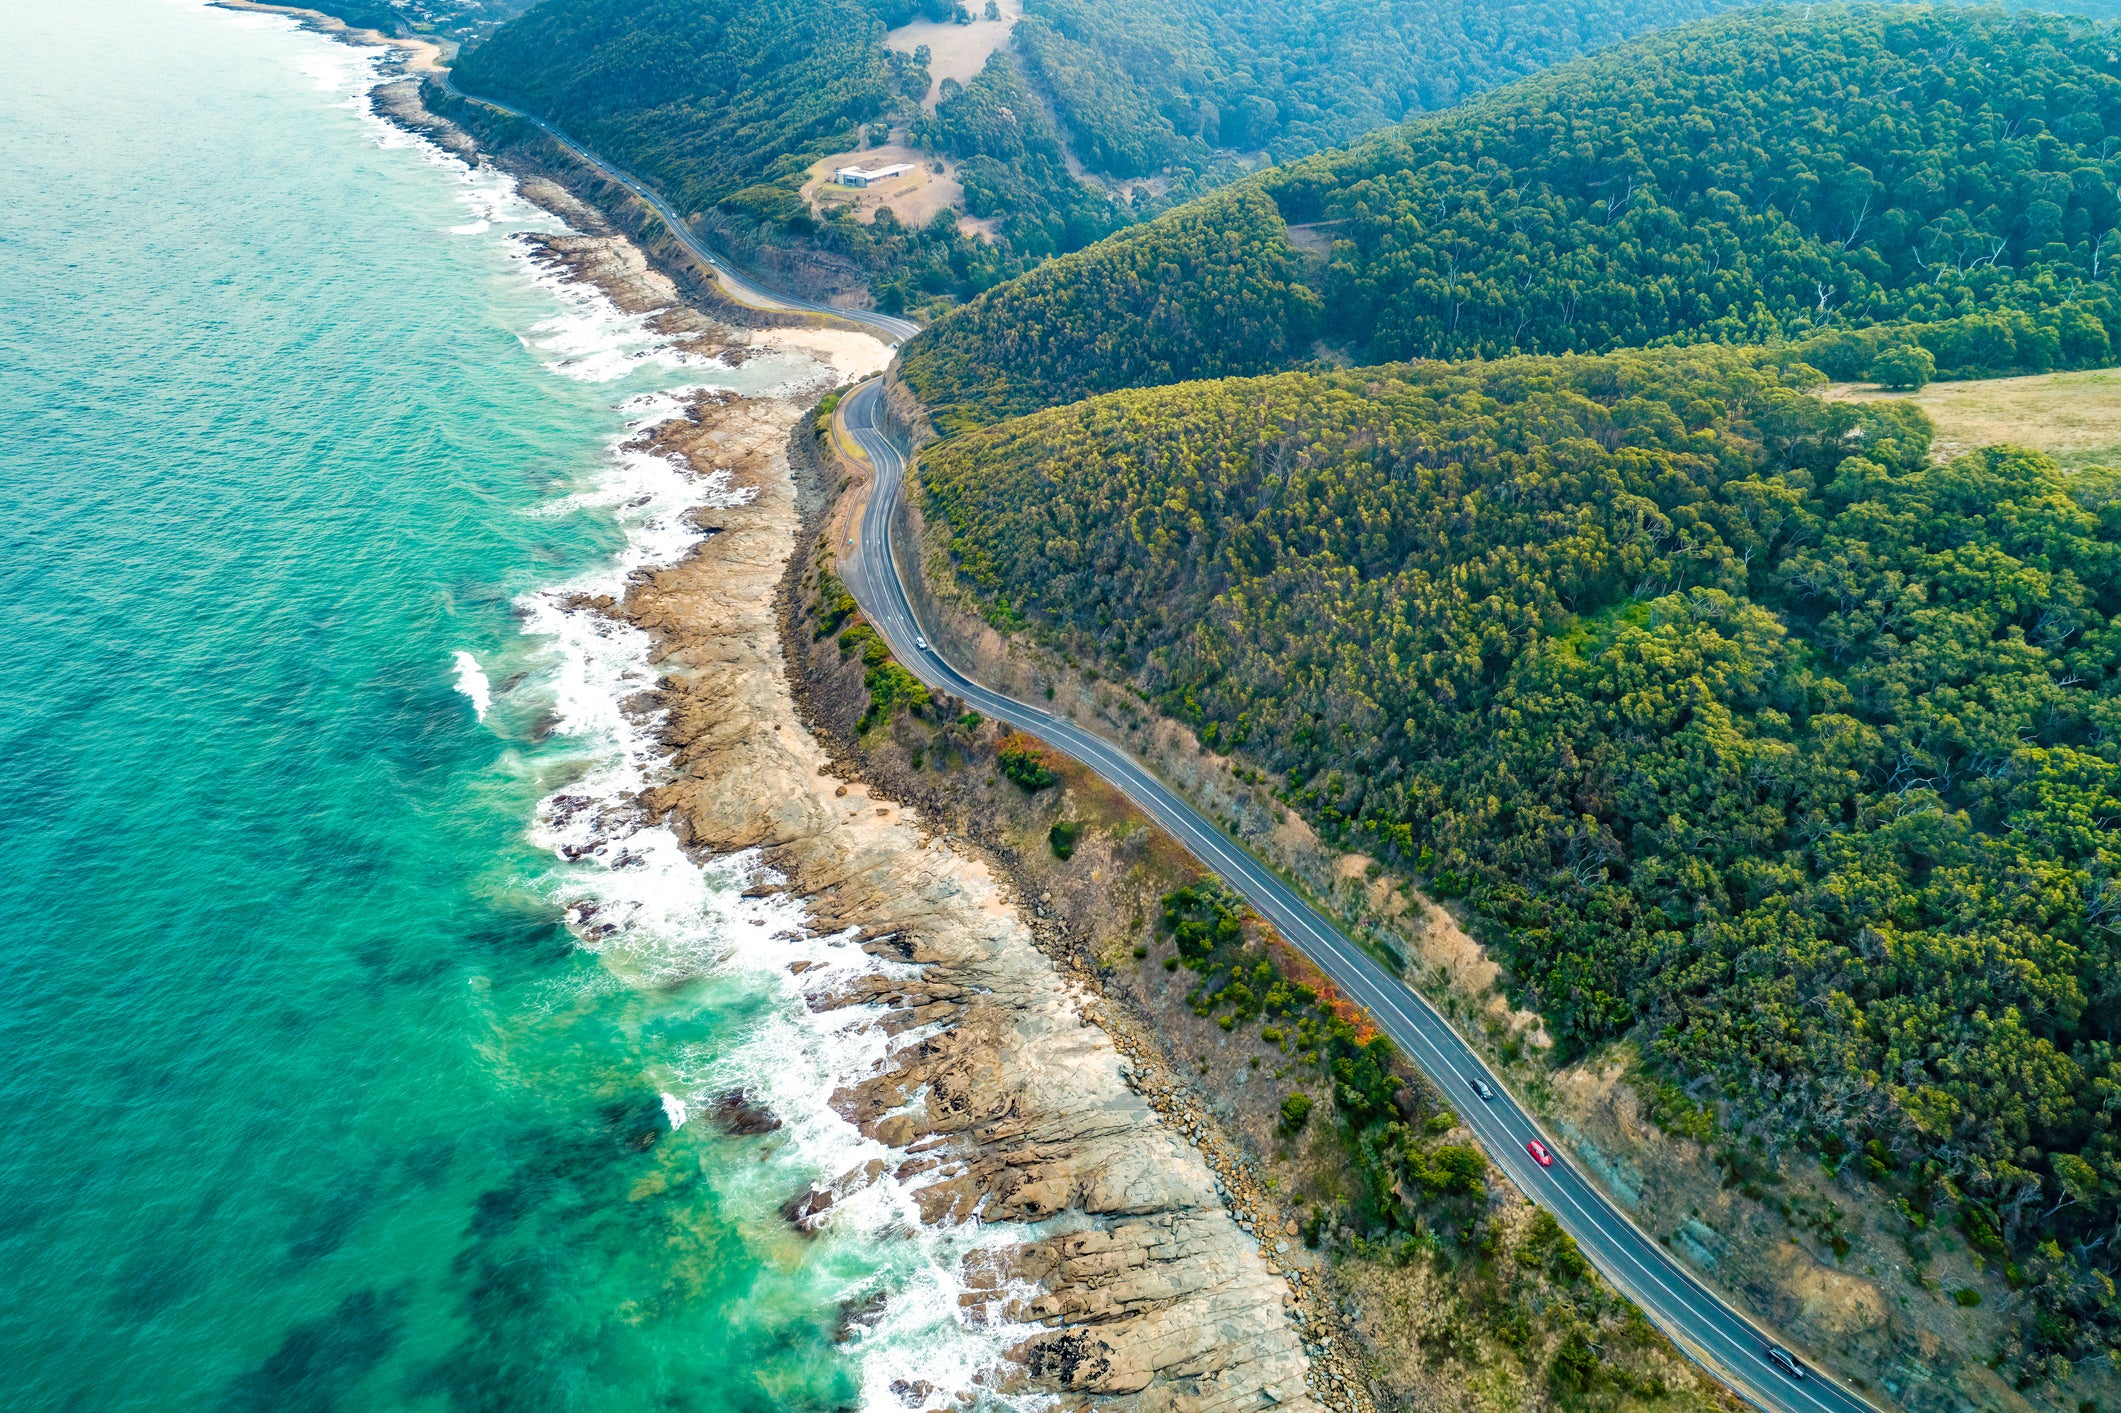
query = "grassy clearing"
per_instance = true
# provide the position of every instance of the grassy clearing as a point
(2073, 417)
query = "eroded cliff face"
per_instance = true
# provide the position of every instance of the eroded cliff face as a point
(999, 1100)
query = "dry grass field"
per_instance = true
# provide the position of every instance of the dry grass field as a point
(2074, 417)
(956, 51)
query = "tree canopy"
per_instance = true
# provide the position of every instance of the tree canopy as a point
(702, 99)
(1745, 727)
(1211, 289)
(1197, 86)
(724, 103)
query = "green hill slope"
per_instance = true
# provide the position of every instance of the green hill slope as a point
(1739, 720)
(1211, 289)
(1761, 176)
(1144, 85)
(704, 99)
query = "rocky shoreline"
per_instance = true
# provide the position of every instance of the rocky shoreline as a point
(1132, 1285)
(1003, 1102)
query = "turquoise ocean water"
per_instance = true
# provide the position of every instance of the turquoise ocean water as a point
(313, 1098)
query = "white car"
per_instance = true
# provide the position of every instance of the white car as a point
(921, 643)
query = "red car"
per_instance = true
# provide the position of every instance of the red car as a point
(1539, 1153)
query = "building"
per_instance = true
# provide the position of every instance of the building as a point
(863, 176)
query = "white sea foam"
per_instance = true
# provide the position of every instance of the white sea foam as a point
(630, 892)
(471, 681)
(595, 341)
(657, 918)
(674, 1110)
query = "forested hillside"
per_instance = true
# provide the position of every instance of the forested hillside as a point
(1741, 722)
(1948, 172)
(704, 99)
(1141, 87)
(1213, 289)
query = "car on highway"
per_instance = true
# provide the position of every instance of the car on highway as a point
(921, 643)
(1785, 1361)
(1480, 1087)
(1539, 1153)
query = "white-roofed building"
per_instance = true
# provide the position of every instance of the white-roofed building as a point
(863, 176)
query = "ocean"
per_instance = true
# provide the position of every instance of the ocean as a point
(321, 1092)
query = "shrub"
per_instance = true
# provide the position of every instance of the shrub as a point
(1062, 836)
(1981, 1231)
(1905, 368)
(890, 687)
(1295, 1113)
(1025, 761)
(1547, 1245)
(834, 606)
(1202, 917)
(1454, 1168)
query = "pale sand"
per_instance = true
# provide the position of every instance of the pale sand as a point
(851, 355)
(427, 56)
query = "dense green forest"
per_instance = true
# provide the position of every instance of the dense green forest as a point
(704, 99)
(1141, 87)
(1947, 173)
(1744, 726)
(1215, 283)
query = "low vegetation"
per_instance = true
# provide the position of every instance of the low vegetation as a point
(890, 685)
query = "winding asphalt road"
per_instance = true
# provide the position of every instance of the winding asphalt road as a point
(740, 286)
(1727, 1344)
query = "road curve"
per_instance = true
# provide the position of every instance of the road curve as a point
(740, 286)
(1724, 1342)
